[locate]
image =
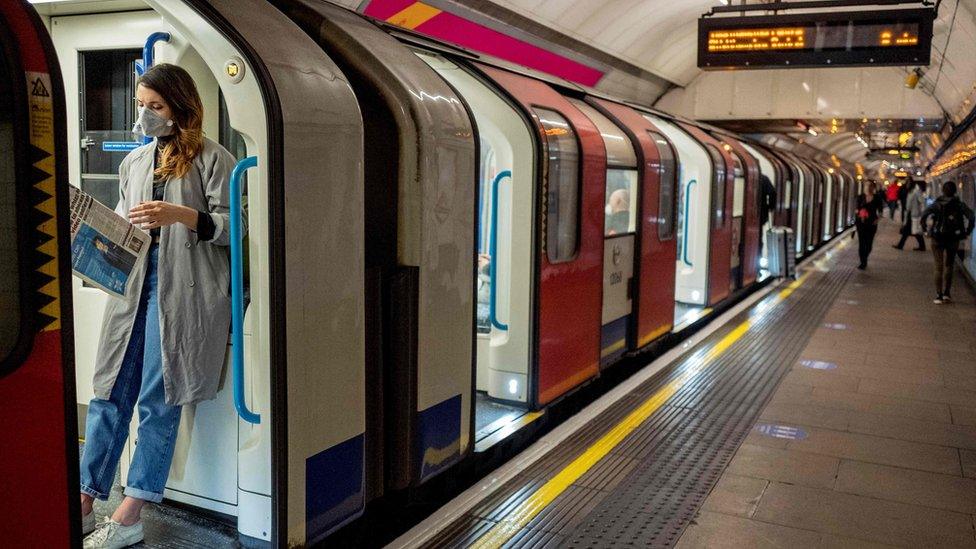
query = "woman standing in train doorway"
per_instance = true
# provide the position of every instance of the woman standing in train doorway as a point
(164, 346)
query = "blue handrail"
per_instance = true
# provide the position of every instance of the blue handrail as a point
(237, 289)
(684, 238)
(492, 251)
(147, 50)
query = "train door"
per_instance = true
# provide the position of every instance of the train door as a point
(99, 55)
(693, 245)
(802, 205)
(506, 269)
(775, 176)
(621, 207)
(571, 177)
(745, 208)
(829, 206)
(720, 220)
(37, 401)
(656, 219)
(226, 447)
(738, 225)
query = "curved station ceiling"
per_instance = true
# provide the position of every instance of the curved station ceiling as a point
(646, 51)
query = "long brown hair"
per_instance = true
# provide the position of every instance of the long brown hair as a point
(176, 86)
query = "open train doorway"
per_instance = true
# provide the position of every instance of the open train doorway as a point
(220, 465)
(694, 207)
(242, 465)
(504, 275)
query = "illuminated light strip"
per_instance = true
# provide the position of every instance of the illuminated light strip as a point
(414, 15)
(519, 517)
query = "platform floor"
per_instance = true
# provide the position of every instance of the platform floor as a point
(837, 411)
(889, 452)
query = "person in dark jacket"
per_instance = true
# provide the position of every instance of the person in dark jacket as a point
(954, 221)
(869, 206)
(903, 188)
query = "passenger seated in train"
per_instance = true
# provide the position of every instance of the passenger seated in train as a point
(163, 347)
(484, 293)
(618, 212)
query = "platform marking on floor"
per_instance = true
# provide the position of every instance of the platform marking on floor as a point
(787, 432)
(519, 517)
(818, 364)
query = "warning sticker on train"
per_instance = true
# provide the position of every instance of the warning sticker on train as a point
(43, 198)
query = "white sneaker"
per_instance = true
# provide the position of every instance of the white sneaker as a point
(87, 524)
(113, 535)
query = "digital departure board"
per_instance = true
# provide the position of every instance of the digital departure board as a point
(827, 39)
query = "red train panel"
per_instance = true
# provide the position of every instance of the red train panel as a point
(720, 251)
(654, 302)
(37, 394)
(750, 252)
(569, 294)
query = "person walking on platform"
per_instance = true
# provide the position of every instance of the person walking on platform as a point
(869, 207)
(164, 346)
(891, 196)
(903, 188)
(915, 204)
(953, 222)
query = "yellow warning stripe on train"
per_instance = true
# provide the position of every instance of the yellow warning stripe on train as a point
(520, 516)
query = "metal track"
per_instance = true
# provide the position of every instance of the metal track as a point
(648, 488)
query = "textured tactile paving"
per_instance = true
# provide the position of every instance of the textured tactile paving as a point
(647, 489)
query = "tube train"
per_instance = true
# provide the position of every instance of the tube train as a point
(441, 247)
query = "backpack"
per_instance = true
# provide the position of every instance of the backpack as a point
(950, 224)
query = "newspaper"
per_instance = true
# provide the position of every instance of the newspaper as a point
(105, 248)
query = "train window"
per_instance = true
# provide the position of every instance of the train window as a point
(562, 186)
(718, 186)
(667, 197)
(739, 189)
(621, 204)
(9, 267)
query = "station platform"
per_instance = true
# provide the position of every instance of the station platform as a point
(836, 410)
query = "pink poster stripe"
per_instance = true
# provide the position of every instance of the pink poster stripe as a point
(460, 31)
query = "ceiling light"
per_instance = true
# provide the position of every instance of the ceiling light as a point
(812, 132)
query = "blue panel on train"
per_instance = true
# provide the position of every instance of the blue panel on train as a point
(120, 146)
(438, 442)
(334, 488)
(613, 339)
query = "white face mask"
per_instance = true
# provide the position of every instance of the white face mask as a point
(151, 124)
(608, 210)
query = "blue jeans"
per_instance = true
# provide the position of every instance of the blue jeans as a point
(140, 377)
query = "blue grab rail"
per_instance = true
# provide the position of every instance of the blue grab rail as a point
(147, 50)
(684, 238)
(492, 251)
(237, 290)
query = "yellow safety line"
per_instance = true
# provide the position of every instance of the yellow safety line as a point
(414, 15)
(516, 520)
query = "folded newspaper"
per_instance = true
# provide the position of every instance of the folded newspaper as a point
(105, 248)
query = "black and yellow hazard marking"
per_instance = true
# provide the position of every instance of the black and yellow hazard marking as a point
(43, 214)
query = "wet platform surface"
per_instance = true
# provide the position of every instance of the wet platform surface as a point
(870, 439)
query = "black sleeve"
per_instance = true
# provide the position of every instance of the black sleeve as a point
(205, 226)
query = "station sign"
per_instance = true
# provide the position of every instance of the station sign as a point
(825, 39)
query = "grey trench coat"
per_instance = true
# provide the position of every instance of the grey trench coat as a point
(193, 279)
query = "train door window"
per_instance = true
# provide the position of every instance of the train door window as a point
(622, 198)
(668, 177)
(108, 111)
(9, 260)
(739, 189)
(562, 186)
(718, 186)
